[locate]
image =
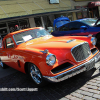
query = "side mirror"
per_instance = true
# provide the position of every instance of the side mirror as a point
(83, 27)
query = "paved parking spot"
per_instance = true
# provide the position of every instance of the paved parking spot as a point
(85, 86)
(6, 72)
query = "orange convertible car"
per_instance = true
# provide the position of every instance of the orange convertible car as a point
(46, 57)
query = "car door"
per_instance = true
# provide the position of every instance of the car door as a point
(75, 29)
(8, 53)
(3, 54)
(64, 30)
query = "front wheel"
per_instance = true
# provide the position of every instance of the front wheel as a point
(35, 74)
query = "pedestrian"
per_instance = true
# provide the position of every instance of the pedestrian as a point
(16, 28)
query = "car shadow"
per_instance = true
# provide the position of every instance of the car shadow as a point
(51, 91)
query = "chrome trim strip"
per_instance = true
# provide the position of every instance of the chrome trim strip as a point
(14, 40)
(72, 72)
(75, 47)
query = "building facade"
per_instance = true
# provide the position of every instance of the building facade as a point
(88, 8)
(31, 13)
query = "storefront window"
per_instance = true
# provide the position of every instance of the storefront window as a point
(69, 15)
(83, 13)
(79, 15)
(48, 21)
(22, 24)
(94, 12)
(12, 25)
(3, 32)
(2, 25)
(59, 15)
(38, 22)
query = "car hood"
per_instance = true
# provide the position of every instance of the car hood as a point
(58, 22)
(51, 43)
(59, 46)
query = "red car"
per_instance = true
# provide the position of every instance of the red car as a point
(44, 57)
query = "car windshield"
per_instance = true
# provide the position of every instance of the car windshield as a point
(29, 35)
(90, 21)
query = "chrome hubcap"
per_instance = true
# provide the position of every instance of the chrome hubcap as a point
(1, 64)
(35, 74)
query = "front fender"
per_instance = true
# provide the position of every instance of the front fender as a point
(36, 57)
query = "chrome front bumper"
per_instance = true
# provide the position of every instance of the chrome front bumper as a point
(81, 68)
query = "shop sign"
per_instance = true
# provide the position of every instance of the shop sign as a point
(53, 1)
(93, 4)
(97, 3)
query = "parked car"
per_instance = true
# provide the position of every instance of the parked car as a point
(80, 27)
(44, 57)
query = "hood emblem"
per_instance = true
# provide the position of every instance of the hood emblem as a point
(70, 40)
(45, 51)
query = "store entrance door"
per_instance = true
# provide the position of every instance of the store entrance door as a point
(94, 12)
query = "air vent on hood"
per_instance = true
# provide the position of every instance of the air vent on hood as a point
(70, 40)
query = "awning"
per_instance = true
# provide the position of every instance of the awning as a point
(14, 8)
(94, 4)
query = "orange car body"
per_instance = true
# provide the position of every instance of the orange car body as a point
(19, 55)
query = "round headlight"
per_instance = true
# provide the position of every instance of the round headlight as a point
(93, 40)
(51, 59)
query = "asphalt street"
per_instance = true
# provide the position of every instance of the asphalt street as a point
(15, 85)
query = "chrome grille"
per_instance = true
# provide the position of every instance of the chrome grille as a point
(81, 52)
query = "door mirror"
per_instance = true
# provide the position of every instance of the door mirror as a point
(83, 27)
